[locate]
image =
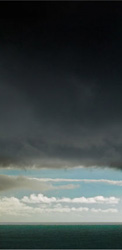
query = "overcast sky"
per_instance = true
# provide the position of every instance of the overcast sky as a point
(60, 94)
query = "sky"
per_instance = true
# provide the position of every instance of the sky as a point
(60, 112)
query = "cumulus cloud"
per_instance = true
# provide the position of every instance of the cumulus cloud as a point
(13, 206)
(21, 182)
(40, 198)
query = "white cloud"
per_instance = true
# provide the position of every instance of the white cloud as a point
(67, 209)
(18, 208)
(97, 199)
(110, 182)
(109, 210)
(15, 207)
(40, 198)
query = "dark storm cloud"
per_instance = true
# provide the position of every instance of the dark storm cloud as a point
(60, 86)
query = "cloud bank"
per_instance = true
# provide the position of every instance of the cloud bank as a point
(19, 207)
(40, 198)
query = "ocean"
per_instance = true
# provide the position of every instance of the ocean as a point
(60, 236)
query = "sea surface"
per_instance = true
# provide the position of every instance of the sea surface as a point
(60, 236)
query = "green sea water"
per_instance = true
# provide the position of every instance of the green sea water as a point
(60, 236)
